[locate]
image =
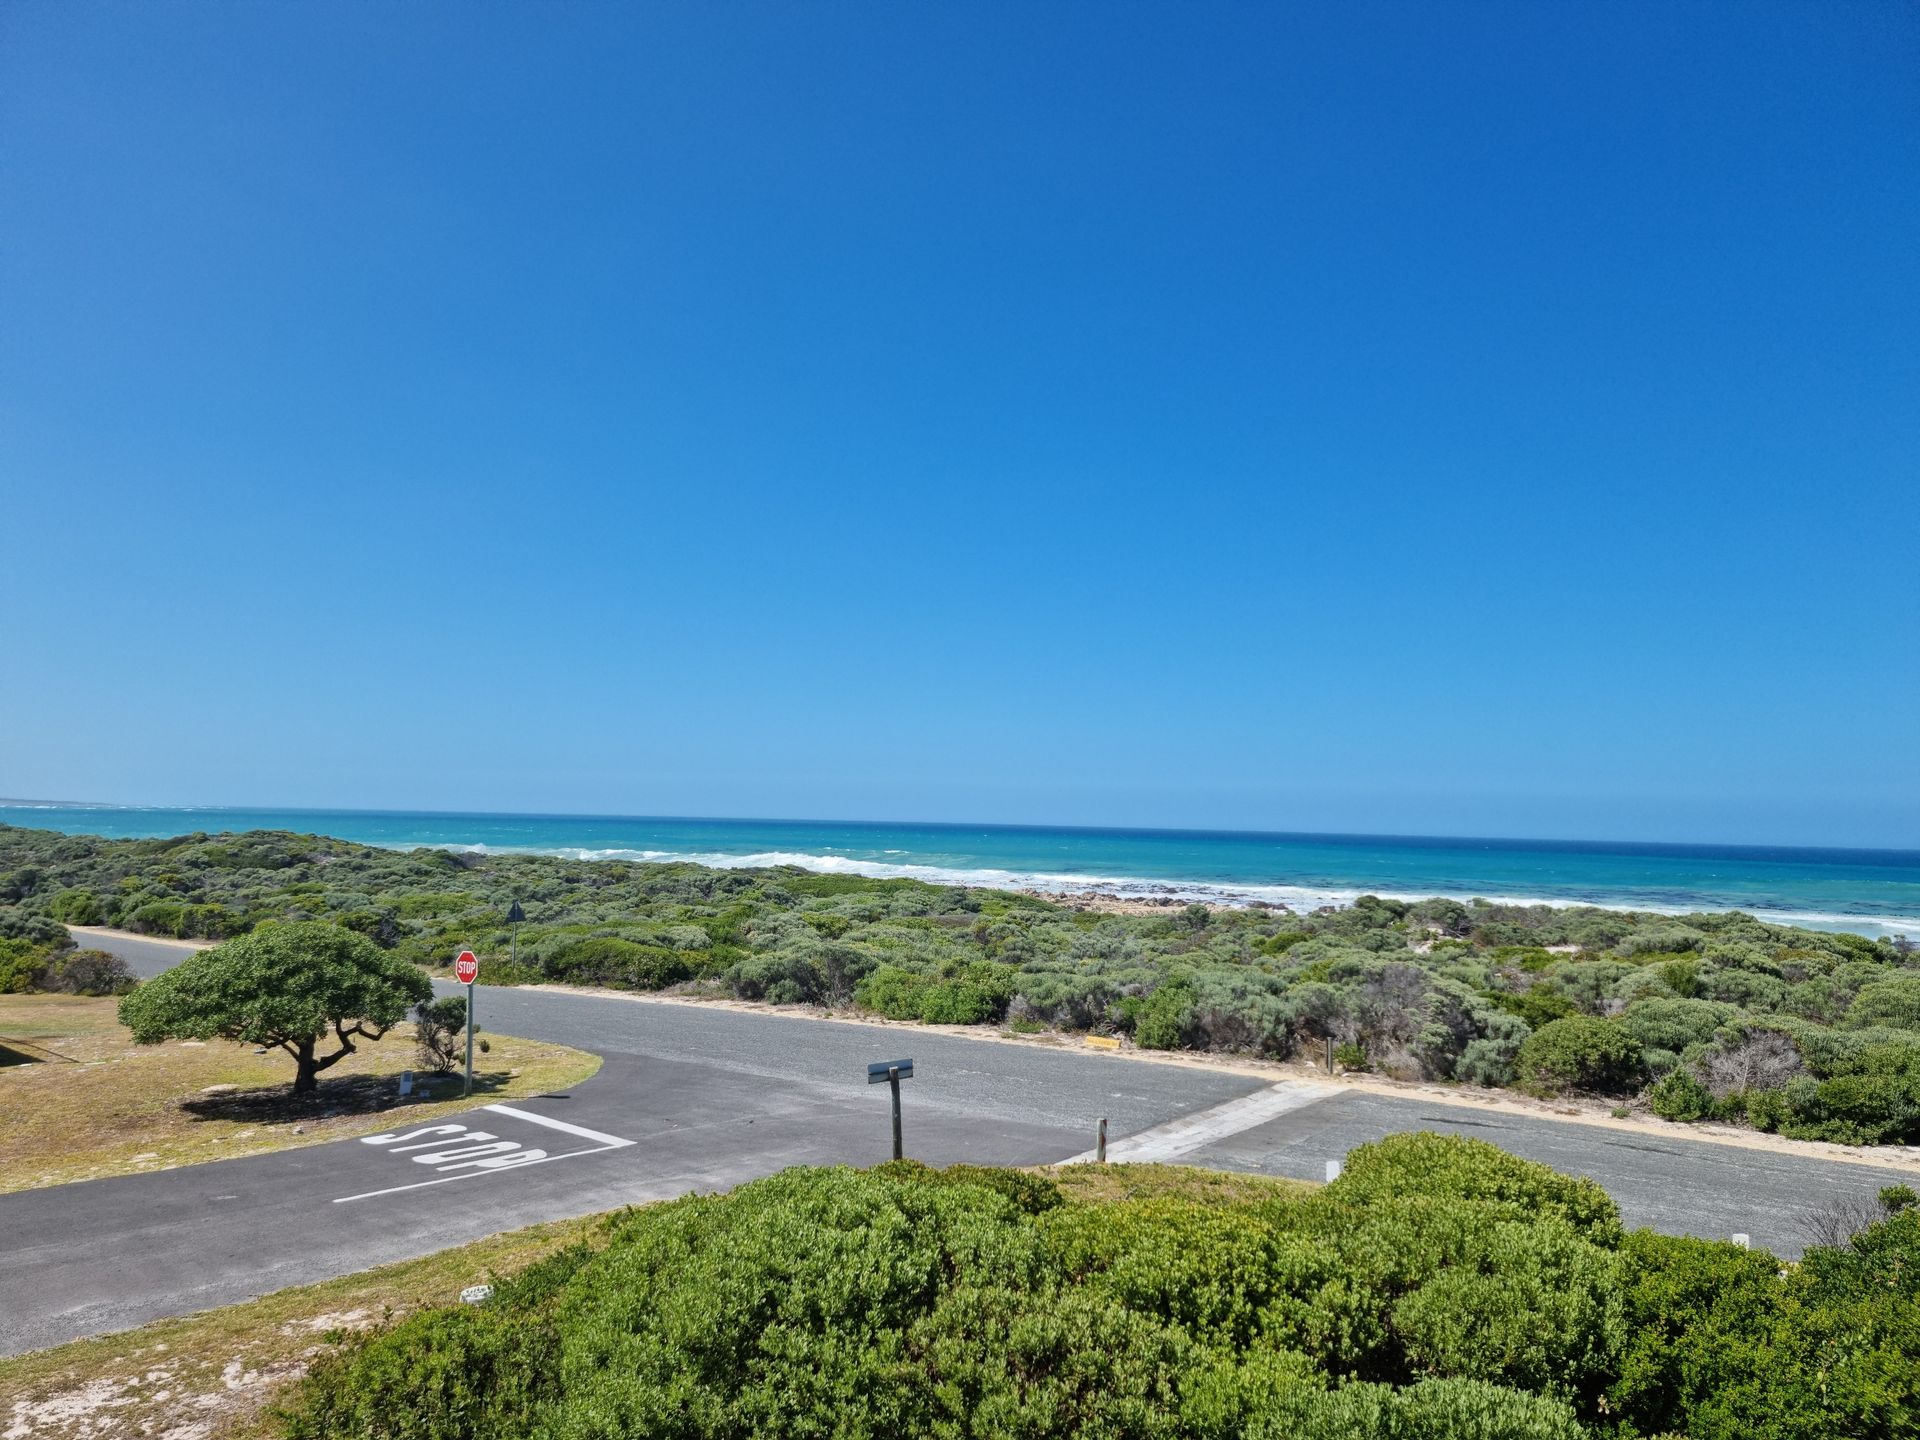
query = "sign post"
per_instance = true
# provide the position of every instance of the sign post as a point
(466, 969)
(893, 1072)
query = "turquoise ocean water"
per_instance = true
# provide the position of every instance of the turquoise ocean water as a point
(1874, 892)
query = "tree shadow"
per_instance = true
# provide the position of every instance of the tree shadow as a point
(337, 1095)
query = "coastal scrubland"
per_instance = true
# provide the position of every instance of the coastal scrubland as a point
(1438, 1288)
(1811, 1034)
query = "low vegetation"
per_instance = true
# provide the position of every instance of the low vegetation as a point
(1439, 1288)
(94, 1103)
(214, 1375)
(1713, 1016)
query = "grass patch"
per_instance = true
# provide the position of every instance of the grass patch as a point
(212, 1375)
(110, 1107)
(1104, 1184)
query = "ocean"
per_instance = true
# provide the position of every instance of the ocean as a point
(1872, 892)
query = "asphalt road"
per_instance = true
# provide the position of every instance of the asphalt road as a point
(704, 1097)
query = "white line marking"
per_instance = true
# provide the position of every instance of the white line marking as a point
(477, 1174)
(1190, 1132)
(610, 1142)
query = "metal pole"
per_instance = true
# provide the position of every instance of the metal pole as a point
(1100, 1146)
(1329, 1054)
(467, 1089)
(893, 1079)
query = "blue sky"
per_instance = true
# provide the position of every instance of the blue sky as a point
(1460, 419)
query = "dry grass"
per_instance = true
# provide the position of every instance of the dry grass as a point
(109, 1107)
(1102, 1184)
(211, 1376)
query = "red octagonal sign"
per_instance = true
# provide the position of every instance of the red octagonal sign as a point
(466, 967)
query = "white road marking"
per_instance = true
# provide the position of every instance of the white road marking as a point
(611, 1142)
(499, 1164)
(475, 1175)
(1191, 1132)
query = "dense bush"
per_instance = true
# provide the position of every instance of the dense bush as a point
(1439, 1290)
(1579, 1053)
(1493, 994)
(1681, 1096)
(26, 967)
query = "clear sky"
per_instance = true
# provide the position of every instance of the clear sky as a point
(1462, 419)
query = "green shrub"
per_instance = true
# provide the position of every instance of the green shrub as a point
(440, 1375)
(1455, 1168)
(1159, 1021)
(1540, 1004)
(973, 993)
(1681, 1096)
(76, 907)
(1579, 1053)
(1854, 1110)
(87, 972)
(1894, 1001)
(1531, 1305)
(1349, 1056)
(1029, 1193)
(1660, 1024)
(1693, 1311)
(1449, 1409)
(614, 960)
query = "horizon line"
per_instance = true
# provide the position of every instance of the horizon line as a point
(1213, 832)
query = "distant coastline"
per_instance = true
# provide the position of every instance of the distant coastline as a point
(1871, 892)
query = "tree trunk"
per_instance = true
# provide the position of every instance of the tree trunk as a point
(306, 1077)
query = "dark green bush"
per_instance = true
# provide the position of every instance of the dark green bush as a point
(1854, 1110)
(1453, 1168)
(442, 1375)
(1579, 1053)
(1439, 1290)
(1681, 1096)
(1160, 1019)
(76, 907)
(613, 960)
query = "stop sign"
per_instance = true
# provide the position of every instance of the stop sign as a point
(466, 967)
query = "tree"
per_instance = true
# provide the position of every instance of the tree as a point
(281, 985)
(437, 1028)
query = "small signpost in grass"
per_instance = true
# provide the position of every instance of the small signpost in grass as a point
(466, 969)
(893, 1072)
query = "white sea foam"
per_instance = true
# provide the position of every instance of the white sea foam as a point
(1134, 887)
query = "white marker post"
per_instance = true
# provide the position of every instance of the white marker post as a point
(466, 969)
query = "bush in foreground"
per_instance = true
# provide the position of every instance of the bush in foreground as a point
(1438, 1291)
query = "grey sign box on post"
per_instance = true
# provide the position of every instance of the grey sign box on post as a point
(881, 1073)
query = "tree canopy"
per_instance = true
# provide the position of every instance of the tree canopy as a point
(285, 985)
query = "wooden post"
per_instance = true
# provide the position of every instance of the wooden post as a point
(893, 1079)
(1100, 1145)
